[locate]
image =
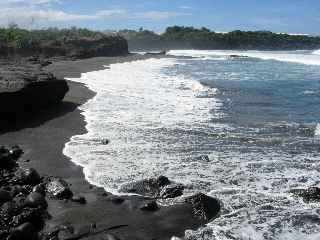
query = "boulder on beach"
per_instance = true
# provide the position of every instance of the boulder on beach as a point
(204, 207)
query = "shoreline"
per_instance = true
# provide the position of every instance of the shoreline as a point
(43, 139)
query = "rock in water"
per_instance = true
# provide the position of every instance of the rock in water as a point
(310, 194)
(148, 187)
(25, 231)
(59, 189)
(28, 176)
(203, 206)
(35, 200)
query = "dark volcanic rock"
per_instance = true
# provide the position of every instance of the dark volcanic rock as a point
(59, 189)
(25, 89)
(310, 194)
(28, 176)
(25, 231)
(148, 187)
(35, 200)
(204, 207)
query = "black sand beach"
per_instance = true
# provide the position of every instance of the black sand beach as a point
(42, 139)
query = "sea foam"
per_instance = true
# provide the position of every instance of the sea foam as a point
(136, 108)
(285, 56)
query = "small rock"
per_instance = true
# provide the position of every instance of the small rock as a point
(79, 199)
(150, 206)
(59, 189)
(35, 200)
(25, 231)
(28, 176)
(5, 196)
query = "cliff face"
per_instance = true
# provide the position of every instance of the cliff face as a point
(26, 89)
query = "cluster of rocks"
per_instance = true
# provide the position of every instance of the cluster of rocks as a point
(204, 207)
(23, 193)
(25, 87)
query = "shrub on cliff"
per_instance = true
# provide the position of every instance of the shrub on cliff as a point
(76, 42)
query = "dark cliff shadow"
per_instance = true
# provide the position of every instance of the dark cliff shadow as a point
(34, 119)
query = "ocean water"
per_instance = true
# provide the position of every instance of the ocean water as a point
(256, 117)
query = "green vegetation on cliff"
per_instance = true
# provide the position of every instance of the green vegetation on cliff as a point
(73, 42)
(189, 37)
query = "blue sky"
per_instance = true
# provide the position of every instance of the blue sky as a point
(292, 16)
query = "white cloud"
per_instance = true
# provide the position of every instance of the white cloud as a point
(39, 12)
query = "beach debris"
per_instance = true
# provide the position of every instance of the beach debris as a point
(204, 207)
(59, 189)
(149, 206)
